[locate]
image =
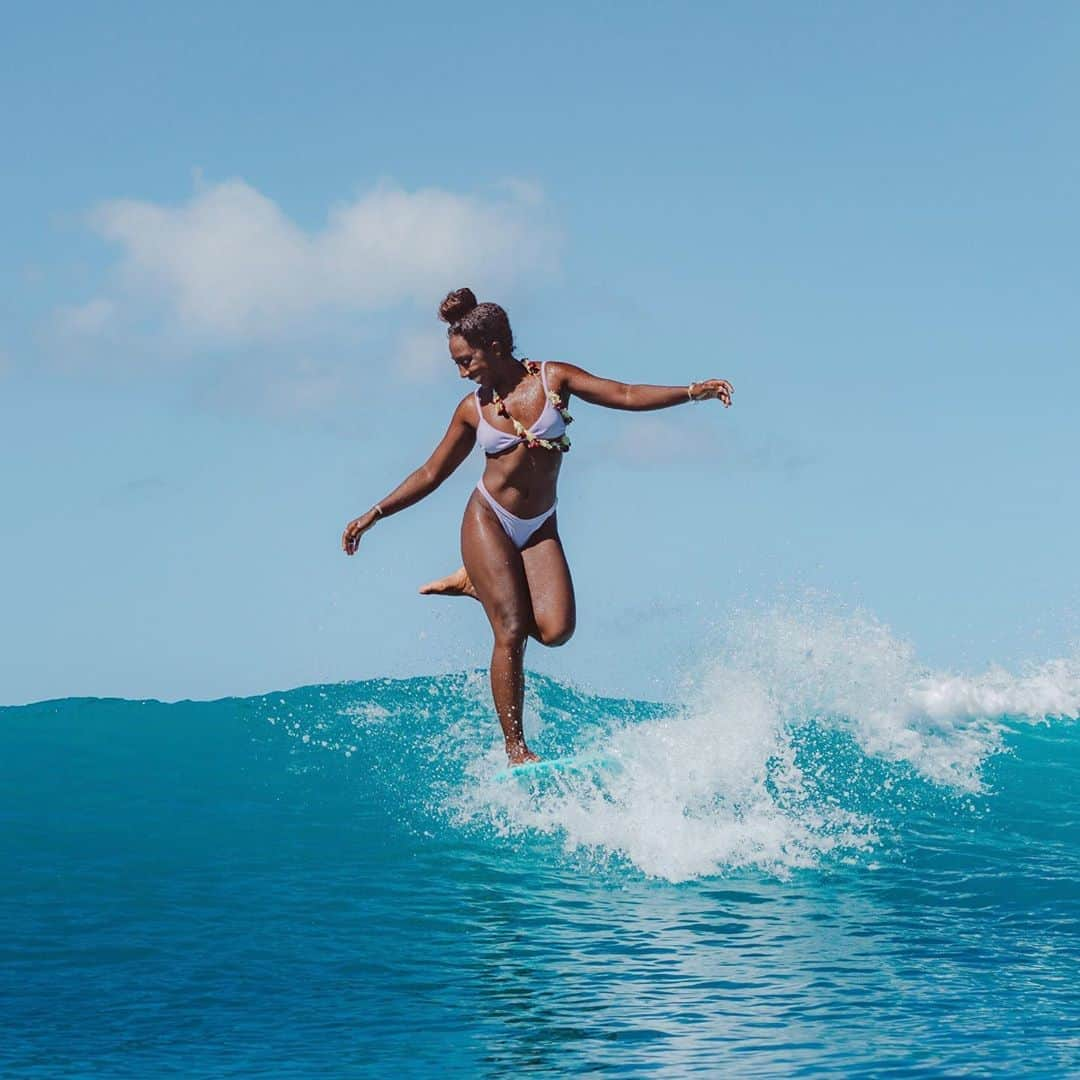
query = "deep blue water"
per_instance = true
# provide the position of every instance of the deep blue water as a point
(837, 866)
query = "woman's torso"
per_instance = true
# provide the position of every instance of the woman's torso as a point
(519, 477)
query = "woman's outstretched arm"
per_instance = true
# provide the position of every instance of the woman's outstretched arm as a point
(445, 458)
(637, 397)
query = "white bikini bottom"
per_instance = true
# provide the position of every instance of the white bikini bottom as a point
(518, 529)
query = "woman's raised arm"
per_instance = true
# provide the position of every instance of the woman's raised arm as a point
(445, 458)
(636, 397)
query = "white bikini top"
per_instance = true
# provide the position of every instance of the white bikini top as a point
(548, 425)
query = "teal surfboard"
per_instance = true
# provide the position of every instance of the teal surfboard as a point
(588, 763)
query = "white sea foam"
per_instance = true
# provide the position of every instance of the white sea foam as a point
(365, 713)
(717, 785)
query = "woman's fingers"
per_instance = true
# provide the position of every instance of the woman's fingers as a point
(723, 390)
(713, 388)
(350, 538)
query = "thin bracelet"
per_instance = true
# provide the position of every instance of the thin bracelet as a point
(378, 510)
(688, 394)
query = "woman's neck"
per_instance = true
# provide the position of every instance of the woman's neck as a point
(507, 377)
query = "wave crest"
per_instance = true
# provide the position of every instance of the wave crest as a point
(793, 743)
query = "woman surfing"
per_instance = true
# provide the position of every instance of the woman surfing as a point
(513, 558)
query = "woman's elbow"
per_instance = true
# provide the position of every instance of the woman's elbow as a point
(429, 478)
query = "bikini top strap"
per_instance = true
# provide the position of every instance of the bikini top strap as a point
(543, 376)
(476, 398)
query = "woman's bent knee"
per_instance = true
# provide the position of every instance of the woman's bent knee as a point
(555, 636)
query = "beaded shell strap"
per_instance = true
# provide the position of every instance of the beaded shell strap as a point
(562, 444)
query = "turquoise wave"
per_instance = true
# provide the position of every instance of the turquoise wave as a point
(810, 865)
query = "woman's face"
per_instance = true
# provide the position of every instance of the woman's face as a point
(471, 363)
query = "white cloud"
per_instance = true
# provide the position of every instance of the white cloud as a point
(231, 266)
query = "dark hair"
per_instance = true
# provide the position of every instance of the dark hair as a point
(478, 324)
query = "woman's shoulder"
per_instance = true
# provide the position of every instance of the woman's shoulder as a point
(556, 372)
(465, 409)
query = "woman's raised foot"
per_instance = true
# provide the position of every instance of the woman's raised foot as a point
(455, 584)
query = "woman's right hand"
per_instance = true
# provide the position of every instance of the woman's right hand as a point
(350, 538)
(720, 389)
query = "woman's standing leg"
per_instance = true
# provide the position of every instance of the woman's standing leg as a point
(497, 574)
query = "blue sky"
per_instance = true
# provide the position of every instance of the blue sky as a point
(227, 228)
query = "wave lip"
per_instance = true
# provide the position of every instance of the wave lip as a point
(1049, 691)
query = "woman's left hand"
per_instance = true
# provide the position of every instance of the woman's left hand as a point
(720, 389)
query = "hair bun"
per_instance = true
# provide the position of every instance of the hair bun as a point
(457, 305)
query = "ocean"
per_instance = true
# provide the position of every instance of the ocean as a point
(821, 858)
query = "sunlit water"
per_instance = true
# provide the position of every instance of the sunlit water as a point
(823, 859)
